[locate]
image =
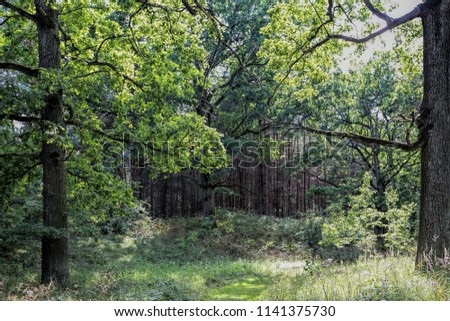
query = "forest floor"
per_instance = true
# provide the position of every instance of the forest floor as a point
(181, 263)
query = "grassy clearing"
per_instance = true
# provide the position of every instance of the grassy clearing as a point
(373, 279)
(113, 269)
(192, 260)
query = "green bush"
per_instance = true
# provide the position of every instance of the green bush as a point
(356, 225)
(230, 234)
(249, 233)
(21, 223)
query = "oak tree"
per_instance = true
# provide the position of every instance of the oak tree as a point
(305, 35)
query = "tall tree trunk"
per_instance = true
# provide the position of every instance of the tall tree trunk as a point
(164, 188)
(54, 248)
(208, 196)
(434, 228)
(261, 185)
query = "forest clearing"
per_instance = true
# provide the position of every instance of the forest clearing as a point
(187, 260)
(208, 150)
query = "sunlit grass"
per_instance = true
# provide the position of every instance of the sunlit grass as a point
(391, 278)
(249, 288)
(120, 269)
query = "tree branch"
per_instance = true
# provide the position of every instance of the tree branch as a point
(364, 140)
(189, 8)
(415, 13)
(193, 180)
(23, 69)
(323, 180)
(155, 5)
(254, 132)
(6, 18)
(41, 16)
(23, 119)
(216, 23)
(103, 42)
(114, 68)
(110, 66)
(82, 178)
(361, 153)
(377, 12)
(400, 167)
(20, 11)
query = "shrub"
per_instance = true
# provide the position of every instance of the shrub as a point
(355, 226)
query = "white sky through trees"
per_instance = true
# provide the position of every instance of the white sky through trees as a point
(404, 6)
(383, 42)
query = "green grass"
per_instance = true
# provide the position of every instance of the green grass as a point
(188, 263)
(114, 270)
(374, 279)
(249, 288)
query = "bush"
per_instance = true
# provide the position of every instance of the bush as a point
(355, 226)
(231, 234)
(249, 233)
(21, 224)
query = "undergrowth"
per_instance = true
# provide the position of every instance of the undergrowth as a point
(231, 256)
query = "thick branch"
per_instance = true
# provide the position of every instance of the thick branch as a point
(20, 11)
(364, 140)
(42, 17)
(361, 153)
(415, 13)
(330, 9)
(377, 12)
(23, 119)
(189, 8)
(23, 69)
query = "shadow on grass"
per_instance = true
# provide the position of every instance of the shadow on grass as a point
(120, 268)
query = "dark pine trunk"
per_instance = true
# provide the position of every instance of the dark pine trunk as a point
(54, 248)
(434, 229)
(165, 186)
(208, 197)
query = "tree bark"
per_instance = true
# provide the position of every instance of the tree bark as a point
(434, 228)
(208, 196)
(164, 188)
(54, 248)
